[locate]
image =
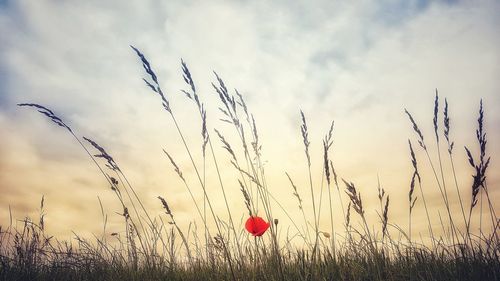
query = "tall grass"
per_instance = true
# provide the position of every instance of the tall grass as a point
(156, 247)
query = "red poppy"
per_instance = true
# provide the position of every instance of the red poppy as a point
(256, 225)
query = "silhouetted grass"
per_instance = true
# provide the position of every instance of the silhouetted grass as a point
(156, 248)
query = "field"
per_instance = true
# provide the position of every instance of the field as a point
(157, 248)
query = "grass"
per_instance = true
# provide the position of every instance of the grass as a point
(157, 248)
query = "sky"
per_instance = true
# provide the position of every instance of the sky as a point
(359, 63)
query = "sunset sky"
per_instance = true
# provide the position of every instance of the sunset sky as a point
(355, 62)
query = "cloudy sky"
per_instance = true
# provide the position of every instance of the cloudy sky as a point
(356, 62)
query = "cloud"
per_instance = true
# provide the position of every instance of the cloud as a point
(358, 63)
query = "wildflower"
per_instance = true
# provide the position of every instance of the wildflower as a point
(256, 225)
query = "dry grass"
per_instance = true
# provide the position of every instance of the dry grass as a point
(150, 248)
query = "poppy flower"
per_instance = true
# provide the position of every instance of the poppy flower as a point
(256, 225)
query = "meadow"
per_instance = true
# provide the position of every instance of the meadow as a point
(154, 247)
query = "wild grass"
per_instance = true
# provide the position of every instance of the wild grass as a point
(157, 248)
